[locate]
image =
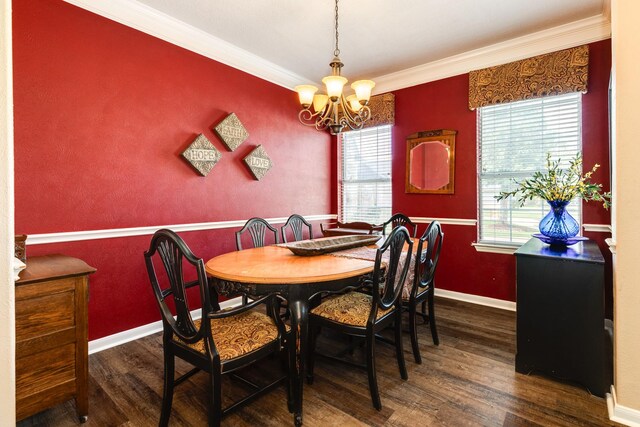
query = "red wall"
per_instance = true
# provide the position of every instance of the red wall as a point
(102, 114)
(444, 105)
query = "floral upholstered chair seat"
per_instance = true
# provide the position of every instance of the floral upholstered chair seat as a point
(352, 308)
(237, 335)
(369, 254)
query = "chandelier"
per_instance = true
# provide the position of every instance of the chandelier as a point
(333, 110)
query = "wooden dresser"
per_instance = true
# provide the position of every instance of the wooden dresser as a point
(51, 334)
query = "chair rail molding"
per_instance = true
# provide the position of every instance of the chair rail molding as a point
(74, 236)
(612, 244)
(598, 228)
(495, 248)
(447, 221)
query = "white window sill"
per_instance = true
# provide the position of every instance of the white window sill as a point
(507, 249)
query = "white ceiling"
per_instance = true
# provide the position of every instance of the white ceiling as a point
(395, 43)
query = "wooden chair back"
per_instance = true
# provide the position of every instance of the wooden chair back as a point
(400, 220)
(390, 273)
(258, 229)
(171, 290)
(428, 253)
(297, 224)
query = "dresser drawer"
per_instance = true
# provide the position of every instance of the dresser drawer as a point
(50, 373)
(45, 316)
(51, 335)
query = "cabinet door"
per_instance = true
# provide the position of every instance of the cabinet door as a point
(560, 320)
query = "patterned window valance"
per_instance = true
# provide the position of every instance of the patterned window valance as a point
(554, 73)
(383, 110)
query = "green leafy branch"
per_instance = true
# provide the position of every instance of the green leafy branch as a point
(557, 184)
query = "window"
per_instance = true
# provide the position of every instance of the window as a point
(364, 184)
(513, 142)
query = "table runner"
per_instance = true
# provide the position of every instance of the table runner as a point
(368, 253)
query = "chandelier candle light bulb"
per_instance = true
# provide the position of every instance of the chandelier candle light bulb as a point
(306, 94)
(334, 110)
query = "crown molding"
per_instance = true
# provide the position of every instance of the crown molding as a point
(150, 21)
(580, 32)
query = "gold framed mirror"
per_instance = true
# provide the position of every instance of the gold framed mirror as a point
(431, 162)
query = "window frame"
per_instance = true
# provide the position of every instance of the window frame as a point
(343, 210)
(544, 143)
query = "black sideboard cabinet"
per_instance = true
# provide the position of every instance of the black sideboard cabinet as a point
(560, 314)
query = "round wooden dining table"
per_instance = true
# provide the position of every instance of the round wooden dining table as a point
(269, 269)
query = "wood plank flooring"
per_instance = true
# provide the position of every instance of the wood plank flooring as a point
(468, 380)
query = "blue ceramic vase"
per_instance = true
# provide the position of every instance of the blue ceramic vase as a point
(558, 225)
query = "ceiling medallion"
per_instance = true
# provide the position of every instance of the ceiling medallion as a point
(333, 110)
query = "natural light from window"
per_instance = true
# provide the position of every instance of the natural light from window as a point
(365, 175)
(513, 142)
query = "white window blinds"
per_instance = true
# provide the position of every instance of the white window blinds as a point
(513, 142)
(364, 182)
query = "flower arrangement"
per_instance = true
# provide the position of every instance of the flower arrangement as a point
(560, 185)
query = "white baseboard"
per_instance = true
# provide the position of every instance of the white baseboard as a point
(151, 328)
(144, 330)
(621, 414)
(476, 299)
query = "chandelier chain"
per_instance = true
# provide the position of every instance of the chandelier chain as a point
(335, 111)
(336, 52)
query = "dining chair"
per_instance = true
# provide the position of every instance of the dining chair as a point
(363, 315)
(423, 287)
(296, 223)
(257, 229)
(403, 220)
(221, 342)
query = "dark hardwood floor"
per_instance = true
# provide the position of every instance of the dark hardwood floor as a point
(469, 380)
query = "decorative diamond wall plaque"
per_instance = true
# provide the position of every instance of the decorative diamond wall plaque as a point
(231, 131)
(259, 162)
(202, 155)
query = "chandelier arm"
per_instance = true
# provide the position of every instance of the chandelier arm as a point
(337, 113)
(352, 115)
(355, 120)
(347, 110)
(324, 120)
(307, 117)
